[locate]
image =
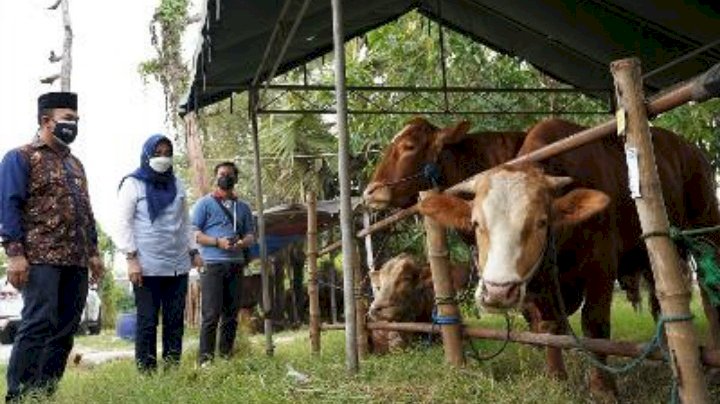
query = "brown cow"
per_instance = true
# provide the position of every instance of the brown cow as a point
(459, 155)
(455, 153)
(403, 292)
(521, 214)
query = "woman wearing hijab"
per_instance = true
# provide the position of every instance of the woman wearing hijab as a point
(155, 234)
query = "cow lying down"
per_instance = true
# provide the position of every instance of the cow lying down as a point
(403, 292)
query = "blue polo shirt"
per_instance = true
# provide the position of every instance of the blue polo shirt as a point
(209, 218)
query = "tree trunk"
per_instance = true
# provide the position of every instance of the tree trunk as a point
(195, 155)
(66, 68)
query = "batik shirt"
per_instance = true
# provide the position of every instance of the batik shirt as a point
(45, 211)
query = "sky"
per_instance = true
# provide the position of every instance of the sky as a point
(118, 111)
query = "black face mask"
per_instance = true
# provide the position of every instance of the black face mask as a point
(65, 131)
(226, 182)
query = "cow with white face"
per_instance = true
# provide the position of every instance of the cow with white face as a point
(515, 215)
(520, 218)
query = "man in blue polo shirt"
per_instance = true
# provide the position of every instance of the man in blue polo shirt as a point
(224, 230)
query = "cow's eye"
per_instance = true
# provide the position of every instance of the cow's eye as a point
(408, 147)
(542, 223)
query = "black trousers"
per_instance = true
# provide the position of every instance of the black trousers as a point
(221, 286)
(54, 298)
(166, 294)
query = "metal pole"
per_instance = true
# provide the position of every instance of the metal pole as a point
(298, 18)
(271, 42)
(261, 225)
(346, 225)
(672, 289)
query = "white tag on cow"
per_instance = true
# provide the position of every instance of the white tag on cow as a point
(620, 119)
(633, 171)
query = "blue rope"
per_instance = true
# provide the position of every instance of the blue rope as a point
(432, 172)
(439, 319)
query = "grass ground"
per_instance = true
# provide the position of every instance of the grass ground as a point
(418, 375)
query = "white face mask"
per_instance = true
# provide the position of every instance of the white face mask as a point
(161, 164)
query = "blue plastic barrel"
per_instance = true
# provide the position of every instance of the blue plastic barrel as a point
(126, 326)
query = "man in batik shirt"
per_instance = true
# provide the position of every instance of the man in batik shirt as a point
(48, 231)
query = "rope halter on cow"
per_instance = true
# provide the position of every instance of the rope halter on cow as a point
(430, 171)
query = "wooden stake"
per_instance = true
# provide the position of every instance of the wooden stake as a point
(673, 291)
(333, 284)
(360, 305)
(313, 273)
(442, 282)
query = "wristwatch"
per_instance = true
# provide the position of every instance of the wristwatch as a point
(193, 253)
(131, 255)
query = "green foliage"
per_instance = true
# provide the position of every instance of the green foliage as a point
(105, 244)
(167, 67)
(3, 263)
(125, 302)
(699, 123)
(111, 294)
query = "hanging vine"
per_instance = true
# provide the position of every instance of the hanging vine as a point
(167, 67)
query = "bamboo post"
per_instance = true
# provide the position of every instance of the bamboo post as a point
(313, 273)
(673, 291)
(444, 293)
(360, 304)
(333, 285)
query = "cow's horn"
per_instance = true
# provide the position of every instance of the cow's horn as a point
(466, 187)
(557, 182)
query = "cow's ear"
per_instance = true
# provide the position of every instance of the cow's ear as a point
(449, 211)
(452, 134)
(577, 206)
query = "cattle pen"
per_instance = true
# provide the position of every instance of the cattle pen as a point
(698, 90)
(287, 47)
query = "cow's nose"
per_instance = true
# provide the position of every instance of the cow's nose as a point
(370, 189)
(504, 295)
(376, 195)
